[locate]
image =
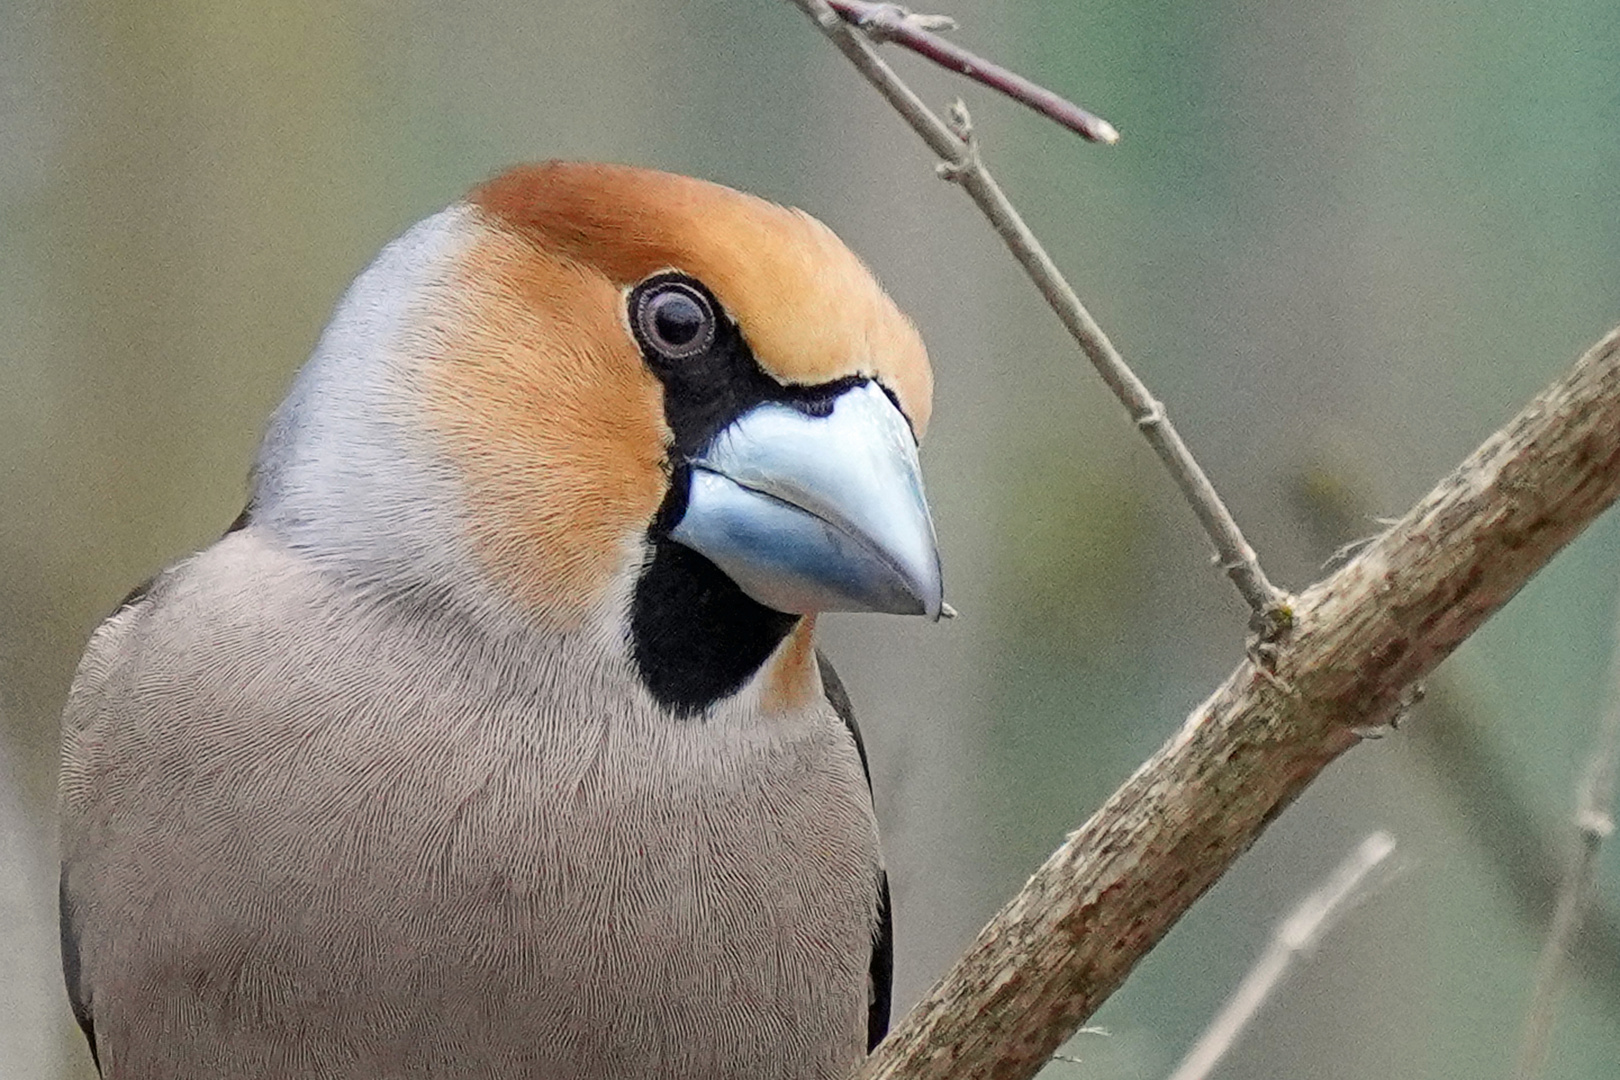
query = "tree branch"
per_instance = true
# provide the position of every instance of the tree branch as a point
(1053, 955)
(961, 164)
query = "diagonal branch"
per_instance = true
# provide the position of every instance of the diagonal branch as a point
(961, 164)
(1053, 955)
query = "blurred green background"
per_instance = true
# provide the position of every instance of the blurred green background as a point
(1342, 241)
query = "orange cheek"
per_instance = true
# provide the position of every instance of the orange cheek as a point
(545, 405)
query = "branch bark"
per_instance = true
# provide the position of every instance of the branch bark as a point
(1359, 638)
(1449, 734)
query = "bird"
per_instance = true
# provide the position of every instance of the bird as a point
(492, 740)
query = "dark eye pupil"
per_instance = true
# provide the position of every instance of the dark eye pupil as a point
(676, 319)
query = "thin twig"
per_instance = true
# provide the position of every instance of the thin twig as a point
(891, 22)
(1295, 937)
(960, 162)
(1594, 822)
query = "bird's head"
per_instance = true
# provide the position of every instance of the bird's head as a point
(592, 384)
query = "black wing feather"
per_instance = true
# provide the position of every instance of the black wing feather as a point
(77, 998)
(881, 990)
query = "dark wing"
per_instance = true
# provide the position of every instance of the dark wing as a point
(77, 999)
(881, 987)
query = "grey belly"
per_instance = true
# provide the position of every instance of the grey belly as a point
(644, 909)
(361, 853)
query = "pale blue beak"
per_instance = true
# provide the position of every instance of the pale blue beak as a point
(818, 513)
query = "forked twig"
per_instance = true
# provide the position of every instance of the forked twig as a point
(1294, 937)
(1594, 822)
(891, 22)
(960, 163)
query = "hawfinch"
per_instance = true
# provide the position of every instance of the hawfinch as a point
(492, 740)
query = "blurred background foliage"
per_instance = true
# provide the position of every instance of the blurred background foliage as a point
(1342, 241)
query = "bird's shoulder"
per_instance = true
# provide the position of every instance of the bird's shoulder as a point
(193, 600)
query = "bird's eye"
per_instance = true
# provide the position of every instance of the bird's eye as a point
(674, 319)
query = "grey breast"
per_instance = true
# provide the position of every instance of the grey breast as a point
(310, 834)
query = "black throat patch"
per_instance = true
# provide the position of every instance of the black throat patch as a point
(695, 636)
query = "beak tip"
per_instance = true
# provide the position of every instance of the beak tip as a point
(928, 590)
(934, 601)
